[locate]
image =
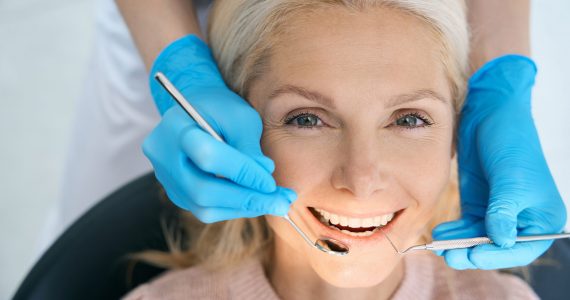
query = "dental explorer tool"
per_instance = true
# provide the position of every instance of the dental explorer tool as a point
(472, 242)
(327, 245)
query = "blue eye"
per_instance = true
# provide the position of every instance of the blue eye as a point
(412, 120)
(305, 120)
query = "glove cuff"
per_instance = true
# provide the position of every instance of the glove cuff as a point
(510, 77)
(511, 61)
(184, 61)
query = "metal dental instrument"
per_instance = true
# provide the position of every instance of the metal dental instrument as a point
(327, 245)
(472, 242)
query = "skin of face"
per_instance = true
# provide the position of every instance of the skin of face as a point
(355, 158)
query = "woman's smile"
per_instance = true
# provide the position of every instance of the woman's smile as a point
(355, 230)
(352, 225)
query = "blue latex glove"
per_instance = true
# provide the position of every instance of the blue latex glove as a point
(186, 159)
(505, 184)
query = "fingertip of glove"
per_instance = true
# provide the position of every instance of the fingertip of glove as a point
(283, 199)
(290, 195)
(268, 186)
(281, 208)
(267, 163)
(503, 241)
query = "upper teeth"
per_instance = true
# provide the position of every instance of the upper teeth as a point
(355, 222)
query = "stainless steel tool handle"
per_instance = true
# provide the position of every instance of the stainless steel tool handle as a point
(458, 244)
(178, 97)
(543, 237)
(467, 243)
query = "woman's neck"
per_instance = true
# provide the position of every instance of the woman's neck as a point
(293, 278)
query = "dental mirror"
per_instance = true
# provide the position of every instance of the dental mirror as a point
(327, 245)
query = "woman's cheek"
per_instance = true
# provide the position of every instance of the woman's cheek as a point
(422, 168)
(298, 159)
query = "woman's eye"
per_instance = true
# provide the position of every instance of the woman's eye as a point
(305, 120)
(412, 121)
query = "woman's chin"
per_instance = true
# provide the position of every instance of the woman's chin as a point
(355, 275)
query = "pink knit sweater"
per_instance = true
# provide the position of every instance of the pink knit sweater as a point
(426, 277)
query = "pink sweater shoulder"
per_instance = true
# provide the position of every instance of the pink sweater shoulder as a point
(246, 281)
(426, 277)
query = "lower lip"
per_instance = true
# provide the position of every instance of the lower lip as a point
(356, 241)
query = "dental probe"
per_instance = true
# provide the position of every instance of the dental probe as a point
(472, 242)
(327, 245)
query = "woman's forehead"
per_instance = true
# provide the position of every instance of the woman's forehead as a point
(378, 52)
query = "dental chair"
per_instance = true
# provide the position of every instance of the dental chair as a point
(89, 261)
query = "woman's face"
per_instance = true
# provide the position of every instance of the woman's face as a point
(358, 118)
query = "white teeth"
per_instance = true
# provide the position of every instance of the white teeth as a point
(345, 221)
(377, 221)
(355, 223)
(368, 222)
(366, 233)
(334, 219)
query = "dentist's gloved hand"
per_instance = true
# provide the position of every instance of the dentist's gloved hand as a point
(186, 159)
(505, 184)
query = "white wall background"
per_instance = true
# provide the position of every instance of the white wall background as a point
(44, 46)
(550, 33)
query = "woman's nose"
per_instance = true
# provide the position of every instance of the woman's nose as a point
(360, 170)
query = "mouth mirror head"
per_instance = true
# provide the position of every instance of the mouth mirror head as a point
(327, 245)
(332, 246)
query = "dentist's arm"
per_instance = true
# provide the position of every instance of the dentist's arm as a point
(186, 160)
(505, 184)
(155, 24)
(498, 28)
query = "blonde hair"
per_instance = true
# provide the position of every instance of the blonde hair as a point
(241, 35)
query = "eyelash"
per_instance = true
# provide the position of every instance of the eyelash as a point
(416, 114)
(288, 119)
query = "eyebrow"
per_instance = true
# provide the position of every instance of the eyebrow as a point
(328, 101)
(305, 93)
(415, 96)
